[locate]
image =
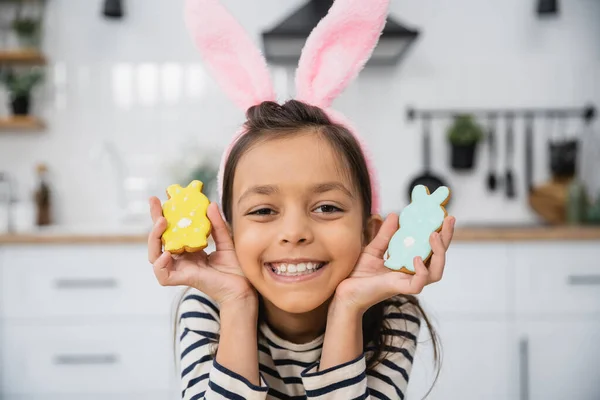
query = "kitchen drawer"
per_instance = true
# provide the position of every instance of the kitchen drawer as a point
(475, 281)
(554, 278)
(558, 358)
(476, 363)
(51, 281)
(88, 359)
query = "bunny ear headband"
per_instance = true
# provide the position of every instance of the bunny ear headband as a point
(334, 53)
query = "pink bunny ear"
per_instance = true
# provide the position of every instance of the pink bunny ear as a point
(234, 60)
(338, 48)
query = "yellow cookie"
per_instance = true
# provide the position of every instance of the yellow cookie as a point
(188, 227)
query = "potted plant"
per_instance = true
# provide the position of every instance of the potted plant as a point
(464, 134)
(28, 32)
(19, 86)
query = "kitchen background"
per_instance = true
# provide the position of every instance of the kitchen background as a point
(138, 86)
(126, 107)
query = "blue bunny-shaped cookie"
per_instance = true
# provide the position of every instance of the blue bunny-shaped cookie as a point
(423, 216)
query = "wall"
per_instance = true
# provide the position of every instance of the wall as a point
(139, 83)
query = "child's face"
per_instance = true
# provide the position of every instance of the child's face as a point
(293, 206)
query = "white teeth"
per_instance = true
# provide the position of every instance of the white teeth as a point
(296, 269)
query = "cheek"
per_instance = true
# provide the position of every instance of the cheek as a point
(344, 245)
(250, 241)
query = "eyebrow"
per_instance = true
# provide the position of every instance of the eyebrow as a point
(330, 186)
(267, 190)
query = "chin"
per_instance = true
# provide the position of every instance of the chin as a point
(300, 302)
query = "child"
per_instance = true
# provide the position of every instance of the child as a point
(295, 301)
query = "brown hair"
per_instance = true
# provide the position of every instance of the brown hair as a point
(270, 120)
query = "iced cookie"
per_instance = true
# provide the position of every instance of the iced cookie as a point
(188, 227)
(423, 216)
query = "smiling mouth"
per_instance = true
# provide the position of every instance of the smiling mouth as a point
(305, 268)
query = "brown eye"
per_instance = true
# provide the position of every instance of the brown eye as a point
(261, 211)
(328, 209)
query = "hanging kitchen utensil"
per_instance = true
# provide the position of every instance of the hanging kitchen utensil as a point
(529, 152)
(427, 178)
(509, 179)
(548, 199)
(563, 152)
(113, 9)
(588, 156)
(551, 134)
(492, 181)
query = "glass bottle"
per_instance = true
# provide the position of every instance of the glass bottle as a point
(43, 197)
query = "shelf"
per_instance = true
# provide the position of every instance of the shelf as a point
(32, 57)
(524, 234)
(467, 234)
(21, 124)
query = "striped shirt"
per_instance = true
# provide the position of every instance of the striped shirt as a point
(289, 370)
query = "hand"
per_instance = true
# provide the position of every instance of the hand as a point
(218, 275)
(371, 282)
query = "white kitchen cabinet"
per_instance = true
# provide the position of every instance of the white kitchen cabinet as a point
(557, 278)
(476, 362)
(557, 313)
(471, 311)
(2, 372)
(84, 321)
(514, 319)
(124, 357)
(476, 281)
(559, 360)
(81, 280)
(523, 323)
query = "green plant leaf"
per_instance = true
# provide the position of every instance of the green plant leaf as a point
(25, 26)
(465, 130)
(21, 83)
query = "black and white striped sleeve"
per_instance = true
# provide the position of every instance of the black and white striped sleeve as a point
(387, 380)
(201, 376)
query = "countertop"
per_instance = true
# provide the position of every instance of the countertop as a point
(461, 234)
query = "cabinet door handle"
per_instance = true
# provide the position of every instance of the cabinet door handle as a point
(524, 369)
(86, 283)
(86, 359)
(583, 279)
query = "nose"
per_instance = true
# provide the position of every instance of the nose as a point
(296, 229)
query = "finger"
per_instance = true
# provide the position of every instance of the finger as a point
(398, 283)
(220, 233)
(438, 259)
(420, 278)
(380, 243)
(155, 208)
(162, 269)
(154, 239)
(448, 231)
